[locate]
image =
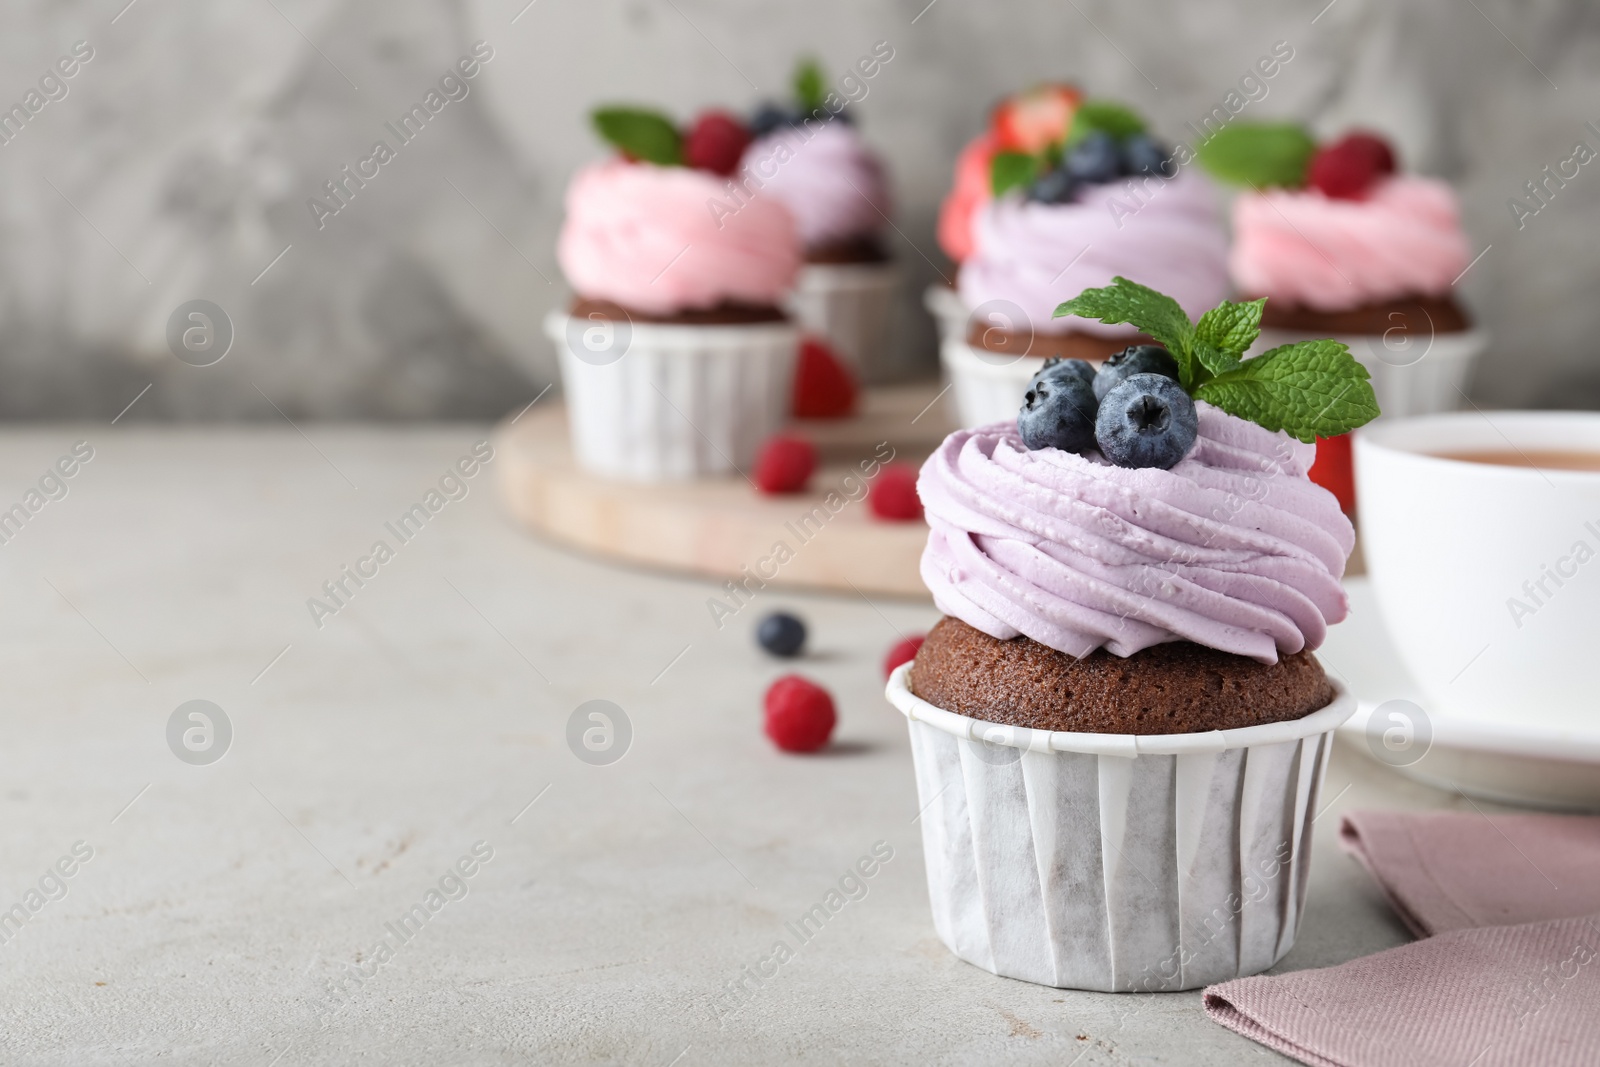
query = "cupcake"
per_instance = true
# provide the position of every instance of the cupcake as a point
(1120, 728)
(677, 357)
(1100, 200)
(813, 160)
(1345, 245)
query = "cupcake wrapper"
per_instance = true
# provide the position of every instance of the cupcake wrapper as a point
(988, 386)
(949, 313)
(1116, 862)
(848, 305)
(680, 401)
(1435, 382)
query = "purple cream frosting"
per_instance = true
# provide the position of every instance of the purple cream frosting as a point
(1234, 548)
(827, 177)
(1166, 235)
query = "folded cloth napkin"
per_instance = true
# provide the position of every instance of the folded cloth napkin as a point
(1509, 973)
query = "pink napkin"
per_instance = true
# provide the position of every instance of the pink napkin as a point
(1510, 975)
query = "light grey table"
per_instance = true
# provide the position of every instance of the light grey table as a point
(224, 902)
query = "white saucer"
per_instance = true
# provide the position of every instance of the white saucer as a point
(1499, 760)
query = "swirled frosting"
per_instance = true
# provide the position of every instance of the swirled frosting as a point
(1036, 255)
(1234, 548)
(649, 238)
(828, 178)
(1304, 248)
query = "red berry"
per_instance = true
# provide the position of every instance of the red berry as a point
(1333, 471)
(785, 464)
(903, 652)
(716, 142)
(799, 714)
(1346, 169)
(1033, 120)
(893, 494)
(824, 388)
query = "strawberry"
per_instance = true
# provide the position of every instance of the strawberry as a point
(1348, 168)
(1031, 121)
(784, 464)
(824, 388)
(1332, 470)
(716, 142)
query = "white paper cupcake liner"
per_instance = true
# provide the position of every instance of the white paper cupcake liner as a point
(1117, 862)
(1410, 375)
(987, 386)
(658, 402)
(848, 305)
(949, 313)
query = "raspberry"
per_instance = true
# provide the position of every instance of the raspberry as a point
(1332, 470)
(799, 714)
(1346, 169)
(903, 652)
(824, 388)
(716, 142)
(784, 464)
(893, 495)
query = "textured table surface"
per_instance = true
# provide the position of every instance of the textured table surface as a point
(224, 903)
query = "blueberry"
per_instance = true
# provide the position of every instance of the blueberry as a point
(1135, 359)
(1058, 412)
(1053, 187)
(1094, 159)
(769, 117)
(1141, 154)
(781, 634)
(1056, 367)
(1147, 421)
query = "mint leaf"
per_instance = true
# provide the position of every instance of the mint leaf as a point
(1231, 327)
(809, 90)
(644, 135)
(1212, 361)
(1137, 305)
(1104, 116)
(1008, 170)
(1309, 389)
(1258, 154)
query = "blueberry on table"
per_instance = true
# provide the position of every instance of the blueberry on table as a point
(1141, 154)
(1147, 421)
(1056, 367)
(1094, 159)
(1058, 412)
(1135, 359)
(1053, 187)
(781, 634)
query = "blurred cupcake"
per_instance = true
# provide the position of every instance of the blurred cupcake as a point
(1120, 729)
(816, 163)
(1346, 246)
(1102, 200)
(677, 357)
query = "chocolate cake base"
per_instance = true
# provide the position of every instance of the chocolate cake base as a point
(1411, 314)
(727, 312)
(1174, 688)
(865, 248)
(1070, 345)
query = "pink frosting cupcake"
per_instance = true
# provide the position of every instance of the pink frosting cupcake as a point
(677, 355)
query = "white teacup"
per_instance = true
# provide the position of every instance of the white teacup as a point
(1488, 575)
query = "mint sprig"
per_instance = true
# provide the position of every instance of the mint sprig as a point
(809, 88)
(1104, 116)
(642, 134)
(1308, 389)
(1011, 170)
(1258, 154)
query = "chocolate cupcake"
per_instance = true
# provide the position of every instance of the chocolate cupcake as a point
(1120, 727)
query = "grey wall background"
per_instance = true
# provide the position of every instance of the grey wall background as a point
(179, 165)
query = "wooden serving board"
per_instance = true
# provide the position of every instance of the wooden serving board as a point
(724, 527)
